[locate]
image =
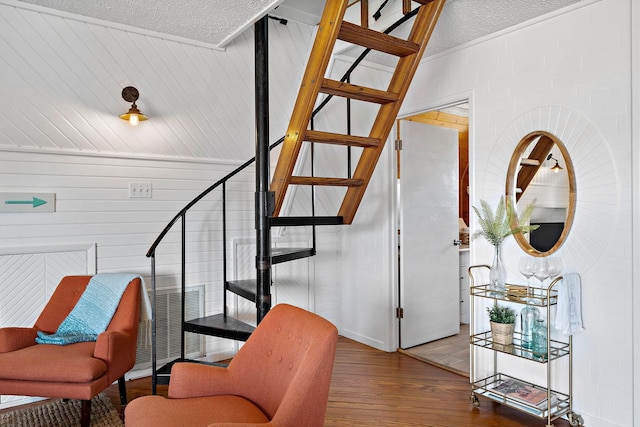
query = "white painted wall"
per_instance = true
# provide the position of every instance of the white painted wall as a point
(571, 68)
(59, 132)
(62, 77)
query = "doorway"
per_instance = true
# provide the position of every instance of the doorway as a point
(447, 348)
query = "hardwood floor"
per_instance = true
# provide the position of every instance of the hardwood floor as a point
(451, 353)
(375, 388)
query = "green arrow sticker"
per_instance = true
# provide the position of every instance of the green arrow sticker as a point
(35, 202)
(27, 202)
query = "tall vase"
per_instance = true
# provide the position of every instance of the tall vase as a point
(497, 274)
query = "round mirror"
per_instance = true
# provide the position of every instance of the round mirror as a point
(541, 171)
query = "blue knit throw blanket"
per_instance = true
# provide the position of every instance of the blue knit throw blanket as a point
(93, 311)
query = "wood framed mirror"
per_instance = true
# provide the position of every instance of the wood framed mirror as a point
(541, 170)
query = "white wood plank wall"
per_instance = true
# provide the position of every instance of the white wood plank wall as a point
(64, 77)
(60, 133)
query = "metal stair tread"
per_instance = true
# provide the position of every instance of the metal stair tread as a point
(244, 288)
(164, 372)
(296, 221)
(220, 325)
(280, 255)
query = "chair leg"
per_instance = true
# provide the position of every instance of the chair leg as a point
(122, 387)
(85, 413)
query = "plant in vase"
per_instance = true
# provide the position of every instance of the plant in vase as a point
(502, 319)
(495, 227)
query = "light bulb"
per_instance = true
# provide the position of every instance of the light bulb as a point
(134, 119)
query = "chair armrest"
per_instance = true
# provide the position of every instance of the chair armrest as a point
(12, 339)
(269, 424)
(118, 349)
(198, 380)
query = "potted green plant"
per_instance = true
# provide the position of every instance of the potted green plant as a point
(502, 319)
(495, 227)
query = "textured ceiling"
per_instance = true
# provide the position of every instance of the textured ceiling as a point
(213, 22)
(216, 22)
(465, 20)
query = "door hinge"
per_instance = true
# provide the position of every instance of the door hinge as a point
(399, 313)
(398, 144)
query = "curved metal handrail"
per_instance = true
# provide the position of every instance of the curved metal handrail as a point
(246, 164)
(184, 210)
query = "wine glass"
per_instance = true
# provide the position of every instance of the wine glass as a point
(527, 267)
(554, 266)
(541, 270)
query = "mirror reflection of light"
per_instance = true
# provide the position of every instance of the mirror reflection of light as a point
(556, 168)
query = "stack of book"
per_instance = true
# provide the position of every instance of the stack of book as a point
(523, 395)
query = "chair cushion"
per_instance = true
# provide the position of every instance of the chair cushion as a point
(153, 411)
(73, 363)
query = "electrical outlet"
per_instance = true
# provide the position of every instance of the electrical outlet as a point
(139, 190)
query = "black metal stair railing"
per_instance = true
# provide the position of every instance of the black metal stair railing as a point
(239, 287)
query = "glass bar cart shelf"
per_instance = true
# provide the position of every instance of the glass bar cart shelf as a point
(560, 402)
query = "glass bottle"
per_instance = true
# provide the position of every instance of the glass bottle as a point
(528, 318)
(540, 340)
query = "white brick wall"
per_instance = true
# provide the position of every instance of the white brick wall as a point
(578, 61)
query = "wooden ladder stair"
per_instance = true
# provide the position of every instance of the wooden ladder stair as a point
(331, 28)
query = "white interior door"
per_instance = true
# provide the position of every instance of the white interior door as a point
(429, 261)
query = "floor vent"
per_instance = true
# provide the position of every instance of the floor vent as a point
(168, 327)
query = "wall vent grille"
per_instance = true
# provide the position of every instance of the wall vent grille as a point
(168, 328)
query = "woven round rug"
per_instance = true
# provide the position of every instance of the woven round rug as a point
(59, 413)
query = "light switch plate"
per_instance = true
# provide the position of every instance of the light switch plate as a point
(139, 190)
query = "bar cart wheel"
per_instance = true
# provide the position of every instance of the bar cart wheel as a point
(474, 400)
(575, 419)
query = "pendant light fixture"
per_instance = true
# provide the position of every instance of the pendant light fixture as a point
(134, 116)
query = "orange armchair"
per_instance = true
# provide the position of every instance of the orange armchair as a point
(279, 378)
(73, 371)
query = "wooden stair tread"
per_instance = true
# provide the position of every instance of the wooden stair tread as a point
(375, 40)
(220, 325)
(327, 181)
(361, 93)
(341, 139)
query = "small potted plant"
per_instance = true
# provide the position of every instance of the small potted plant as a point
(502, 319)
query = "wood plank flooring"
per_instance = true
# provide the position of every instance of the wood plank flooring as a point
(375, 388)
(451, 353)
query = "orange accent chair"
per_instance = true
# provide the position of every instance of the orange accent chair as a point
(279, 378)
(73, 371)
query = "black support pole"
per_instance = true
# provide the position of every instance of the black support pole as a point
(263, 205)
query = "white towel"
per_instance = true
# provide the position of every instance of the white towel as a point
(569, 308)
